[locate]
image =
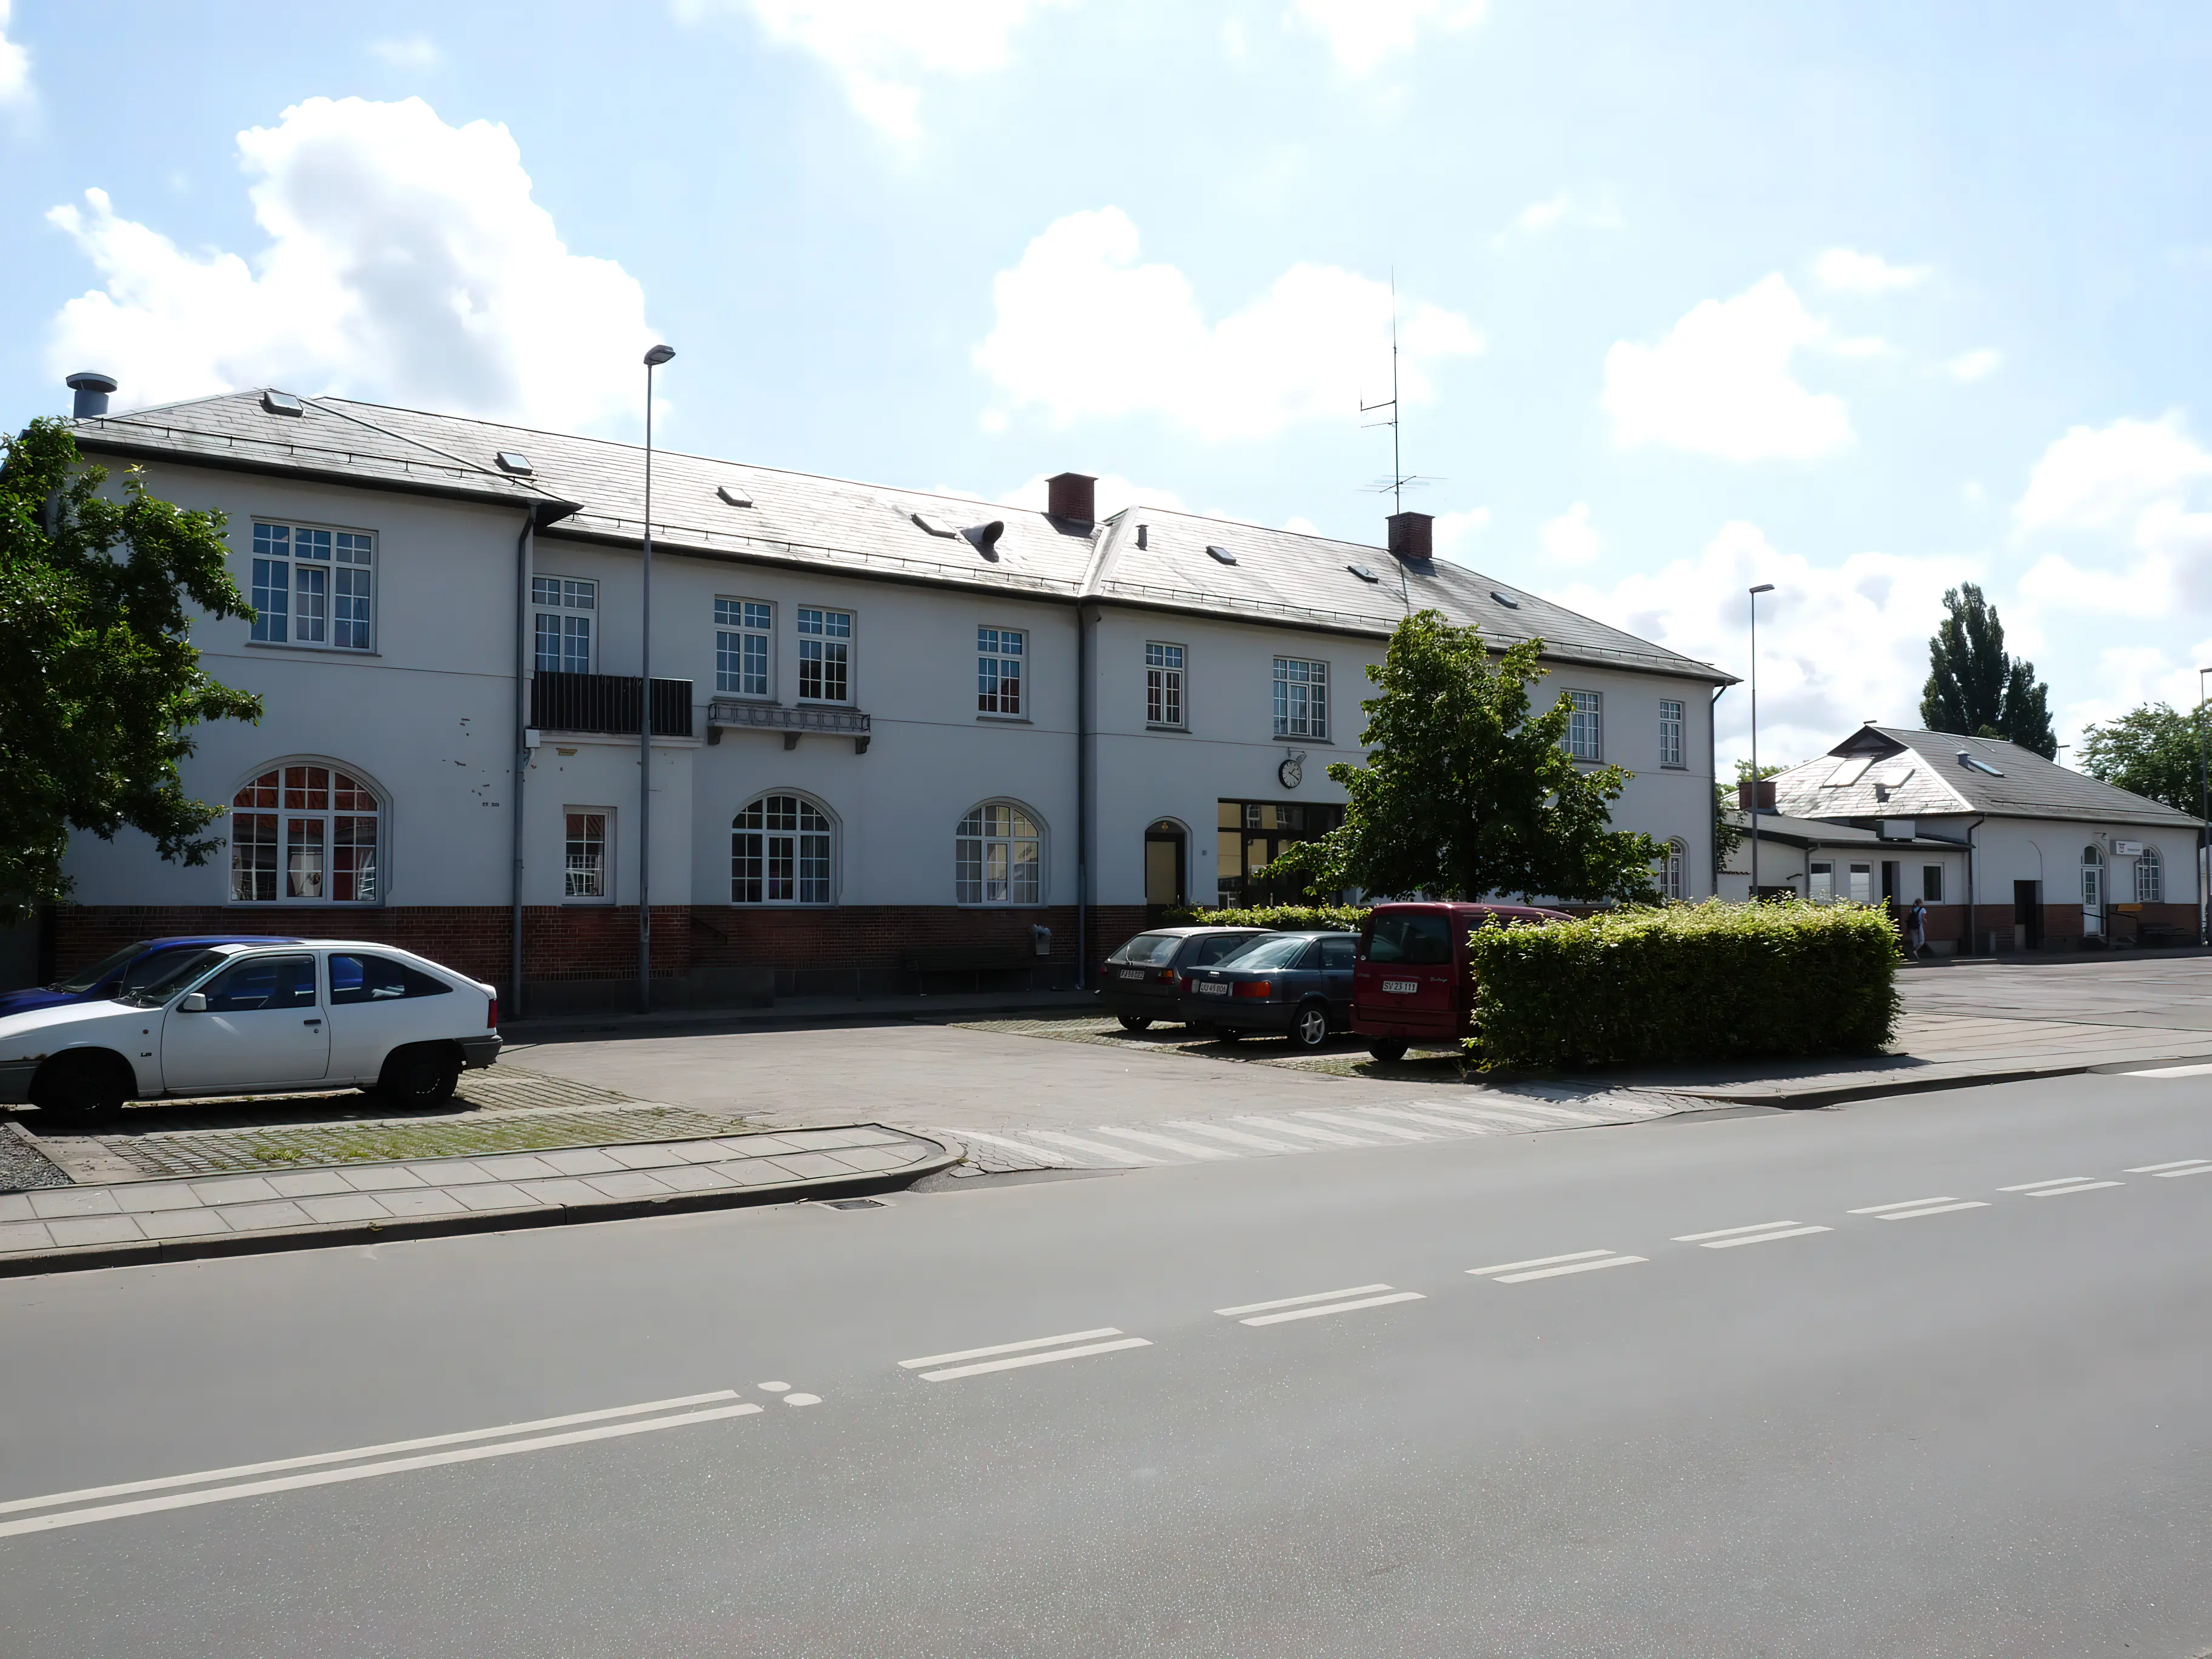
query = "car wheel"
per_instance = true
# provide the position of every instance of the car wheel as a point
(1385, 1048)
(420, 1078)
(1311, 1030)
(1135, 1022)
(82, 1087)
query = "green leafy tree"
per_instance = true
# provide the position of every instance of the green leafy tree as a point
(1466, 791)
(1975, 687)
(99, 684)
(2153, 751)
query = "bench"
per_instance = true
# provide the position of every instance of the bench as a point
(973, 960)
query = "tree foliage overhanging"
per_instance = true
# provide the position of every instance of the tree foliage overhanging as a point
(2154, 750)
(1466, 791)
(1975, 687)
(99, 684)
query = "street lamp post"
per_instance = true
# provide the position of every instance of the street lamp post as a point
(2203, 860)
(1764, 587)
(653, 359)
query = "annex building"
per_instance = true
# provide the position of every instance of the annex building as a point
(894, 734)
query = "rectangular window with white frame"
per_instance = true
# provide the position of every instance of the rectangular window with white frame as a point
(744, 635)
(313, 586)
(587, 875)
(564, 610)
(1585, 726)
(1670, 732)
(1820, 887)
(1163, 669)
(1301, 699)
(825, 656)
(1931, 883)
(1000, 655)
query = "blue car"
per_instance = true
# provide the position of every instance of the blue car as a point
(1299, 984)
(131, 969)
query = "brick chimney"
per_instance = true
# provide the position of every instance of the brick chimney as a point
(1074, 496)
(1411, 542)
(1765, 788)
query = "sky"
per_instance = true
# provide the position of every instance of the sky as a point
(1863, 300)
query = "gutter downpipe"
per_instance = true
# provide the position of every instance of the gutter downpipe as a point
(1082, 799)
(1971, 827)
(525, 548)
(1713, 760)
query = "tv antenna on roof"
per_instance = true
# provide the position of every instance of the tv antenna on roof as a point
(1399, 480)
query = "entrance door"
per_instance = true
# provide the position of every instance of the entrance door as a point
(2093, 891)
(2027, 913)
(1164, 850)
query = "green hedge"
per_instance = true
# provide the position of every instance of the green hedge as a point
(1687, 982)
(1286, 918)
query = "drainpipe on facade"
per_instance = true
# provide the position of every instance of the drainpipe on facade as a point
(525, 552)
(1713, 760)
(1971, 827)
(1082, 799)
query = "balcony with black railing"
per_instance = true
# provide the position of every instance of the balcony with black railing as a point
(607, 704)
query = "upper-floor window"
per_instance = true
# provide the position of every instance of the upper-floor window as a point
(562, 610)
(1301, 699)
(998, 855)
(825, 656)
(1670, 732)
(1585, 726)
(999, 653)
(743, 631)
(305, 834)
(2150, 877)
(1162, 683)
(313, 586)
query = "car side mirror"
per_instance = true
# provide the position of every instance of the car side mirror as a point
(194, 1004)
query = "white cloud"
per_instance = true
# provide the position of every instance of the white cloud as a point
(1720, 383)
(1570, 539)
(405, 262)
(1848, 271)
(1560, 212)
(1361, 34)
(1977, 365)
(882, 50)
(413, 51)
(1836, 644)
(1452, 532)
(2094, 477)
(14, 65)
(1085, 331)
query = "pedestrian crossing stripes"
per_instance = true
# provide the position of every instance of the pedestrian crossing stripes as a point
(1308, 1129)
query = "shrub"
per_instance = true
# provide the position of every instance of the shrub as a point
(1687, 982)
(1285, 918)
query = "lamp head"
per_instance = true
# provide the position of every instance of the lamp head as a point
(658, 355)
(1764, 587)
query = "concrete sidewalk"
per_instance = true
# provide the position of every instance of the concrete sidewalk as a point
(126, 1222)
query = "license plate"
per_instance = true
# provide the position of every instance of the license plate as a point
(1213, 988)
(1400, 988)
(1133, 972)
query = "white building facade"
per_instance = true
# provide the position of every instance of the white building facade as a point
(896, 736)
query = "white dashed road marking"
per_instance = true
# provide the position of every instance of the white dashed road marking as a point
(2181, 1167)
(1318, 1303)
(1766, 1232)
(2059, 1187)
(1910, 1207)
(947, 1366)
(1555, 1267)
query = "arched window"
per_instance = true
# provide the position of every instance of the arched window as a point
(1673, 870)
(779, 853)
(2150, 877)
(997, 856)
(306, 835)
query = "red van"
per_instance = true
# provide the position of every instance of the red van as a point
(1410, 982)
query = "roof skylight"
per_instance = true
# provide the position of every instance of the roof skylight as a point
(933, 525)
(1850, 772)
(1363, 572)
(513, 460)
(1510, 603)
(1222, 554)
(731, 497)
(1975, 765)
(283, 403)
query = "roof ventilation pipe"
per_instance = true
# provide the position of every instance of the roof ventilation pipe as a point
(986, 537)
(92, 392)
(1072, 496)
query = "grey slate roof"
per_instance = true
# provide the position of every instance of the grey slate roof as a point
(1894, 772)
(1280, 576)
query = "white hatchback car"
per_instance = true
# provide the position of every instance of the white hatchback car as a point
(245, 1019)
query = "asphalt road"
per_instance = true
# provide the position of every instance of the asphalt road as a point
(1968, 1431)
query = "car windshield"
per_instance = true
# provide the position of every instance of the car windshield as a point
(182, 972)
(85, 978)
(158, 965)
(1149, 949)
(1281, 951)
(1420, 937)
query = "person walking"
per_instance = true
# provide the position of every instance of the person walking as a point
(1916, 930)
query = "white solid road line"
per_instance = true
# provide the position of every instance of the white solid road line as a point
(2181, 1167)
(168, 1481)
(1020, 1360)
(2173, 1071)
(1766, 1232)
(1534, 1261)
(1006, 1347)
(1299, 1301)
(1572, 1267)
(2063, 1185)
(1042, 1154)
(1334, 1308)
(1166, 1143)
(1235, 1137)
(179, 1500)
